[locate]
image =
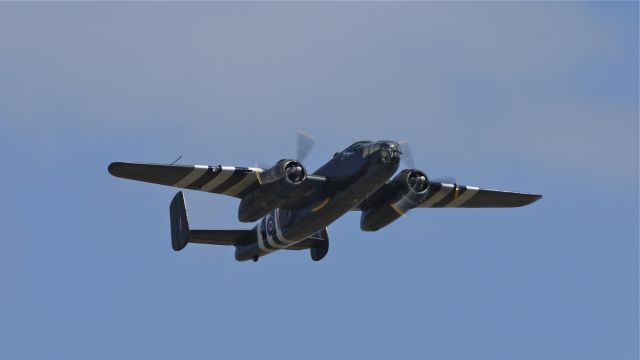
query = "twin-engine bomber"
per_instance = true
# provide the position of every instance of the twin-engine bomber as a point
(294, 207)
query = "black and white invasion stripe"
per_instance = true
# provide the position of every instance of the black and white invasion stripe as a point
(448, 195)
(228, 180)
(269, 234)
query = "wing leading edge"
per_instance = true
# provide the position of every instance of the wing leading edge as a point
(228, 180)
(454, 195)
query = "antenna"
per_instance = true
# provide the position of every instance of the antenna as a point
(174, 161)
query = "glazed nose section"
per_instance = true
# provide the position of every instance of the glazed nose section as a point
(393, 149)
(391, 145)
(389, 152)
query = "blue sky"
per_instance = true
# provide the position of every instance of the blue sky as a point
(534, 97)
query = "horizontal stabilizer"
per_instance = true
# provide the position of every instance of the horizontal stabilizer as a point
(222, 237)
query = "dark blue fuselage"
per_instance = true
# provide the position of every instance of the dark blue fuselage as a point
(350, 176)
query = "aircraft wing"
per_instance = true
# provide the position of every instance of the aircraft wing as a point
(228, 180)
(454, 195)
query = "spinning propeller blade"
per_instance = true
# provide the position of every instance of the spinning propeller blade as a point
(407, 157)
(303, 147)
(305, 143)
(407, 154)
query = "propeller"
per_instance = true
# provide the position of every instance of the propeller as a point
(305, 143)
(418, 181)
(407, 157)
(407, 154)
(294, 172)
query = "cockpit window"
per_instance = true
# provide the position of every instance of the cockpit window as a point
(370, 149)
(357, 146)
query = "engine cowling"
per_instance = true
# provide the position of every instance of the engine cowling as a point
(278, 184)
(284, 176)
(406, 191)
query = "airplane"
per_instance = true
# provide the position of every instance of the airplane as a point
(294, 207)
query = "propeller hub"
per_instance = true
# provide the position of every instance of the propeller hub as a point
(294, 172)
(418, 181)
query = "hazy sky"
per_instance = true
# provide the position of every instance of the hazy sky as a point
(532, 97)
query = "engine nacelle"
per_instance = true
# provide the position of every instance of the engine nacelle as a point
(406, 191)
(278, 184)
(283, 177)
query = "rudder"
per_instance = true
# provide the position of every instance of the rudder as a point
(179, 222)
(320, 245)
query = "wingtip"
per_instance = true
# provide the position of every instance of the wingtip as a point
(114, 167)
(532, 198)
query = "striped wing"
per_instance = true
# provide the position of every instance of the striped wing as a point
(453, 195)
(227, 180)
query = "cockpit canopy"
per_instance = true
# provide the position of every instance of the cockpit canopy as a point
(358, 145)
(386, 150)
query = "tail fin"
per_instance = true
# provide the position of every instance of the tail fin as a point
(181, 235)
(320, 246)
(179, 222)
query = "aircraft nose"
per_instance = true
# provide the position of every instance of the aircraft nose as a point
(395, 155)
(393, 151)
(391, 145)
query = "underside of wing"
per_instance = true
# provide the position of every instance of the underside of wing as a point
(454, 195)
(227, 180)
